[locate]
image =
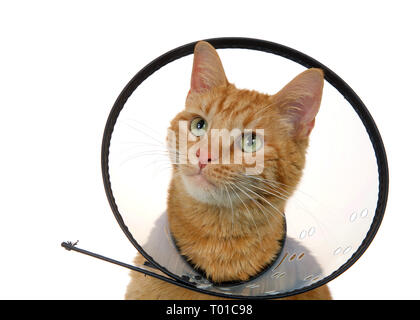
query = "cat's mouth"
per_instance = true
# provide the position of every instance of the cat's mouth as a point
(200, 179)
(206, 185)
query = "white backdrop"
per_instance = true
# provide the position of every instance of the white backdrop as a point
(61, 69)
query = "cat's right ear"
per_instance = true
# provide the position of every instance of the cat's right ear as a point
(207, 71)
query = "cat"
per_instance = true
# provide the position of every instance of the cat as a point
(228, 223)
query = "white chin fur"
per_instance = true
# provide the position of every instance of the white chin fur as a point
(205, 193)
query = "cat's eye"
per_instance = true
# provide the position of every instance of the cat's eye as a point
(251, 142)
(198, 127)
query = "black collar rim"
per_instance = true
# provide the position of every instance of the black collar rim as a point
(291, 54)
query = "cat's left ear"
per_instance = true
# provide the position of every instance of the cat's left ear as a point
(207, 71)
(300, 99)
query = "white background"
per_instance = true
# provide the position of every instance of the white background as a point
(62, 65)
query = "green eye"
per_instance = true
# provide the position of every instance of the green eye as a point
(251, 142)
(198, 127)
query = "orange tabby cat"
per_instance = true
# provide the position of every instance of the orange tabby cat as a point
(227, 223)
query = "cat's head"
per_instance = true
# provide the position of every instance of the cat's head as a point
(269, 130)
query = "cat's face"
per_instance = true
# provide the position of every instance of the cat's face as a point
(234, 144)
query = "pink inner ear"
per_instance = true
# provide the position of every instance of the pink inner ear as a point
(308, 109)
(198, 82)
(301, 99)
(207, 71)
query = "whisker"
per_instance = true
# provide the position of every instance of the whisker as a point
(143, 124)
(283, 184)
(138, 156)
(231, 205)
(268, 181)
(298, 203)
(143, 143)
(147, 147)
(232, 187)
(265, 200)
(170, 156)
(144, 133)
(257, 204)
(277, 195)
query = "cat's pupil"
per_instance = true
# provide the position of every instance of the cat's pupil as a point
(200, 124)
(250, 140)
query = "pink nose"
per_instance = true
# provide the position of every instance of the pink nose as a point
(204, 157)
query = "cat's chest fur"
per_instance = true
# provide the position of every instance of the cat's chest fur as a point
(225, 247)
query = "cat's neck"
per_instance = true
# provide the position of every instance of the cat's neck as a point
(228, 243)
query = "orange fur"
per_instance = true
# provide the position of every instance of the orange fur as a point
(223, 231)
